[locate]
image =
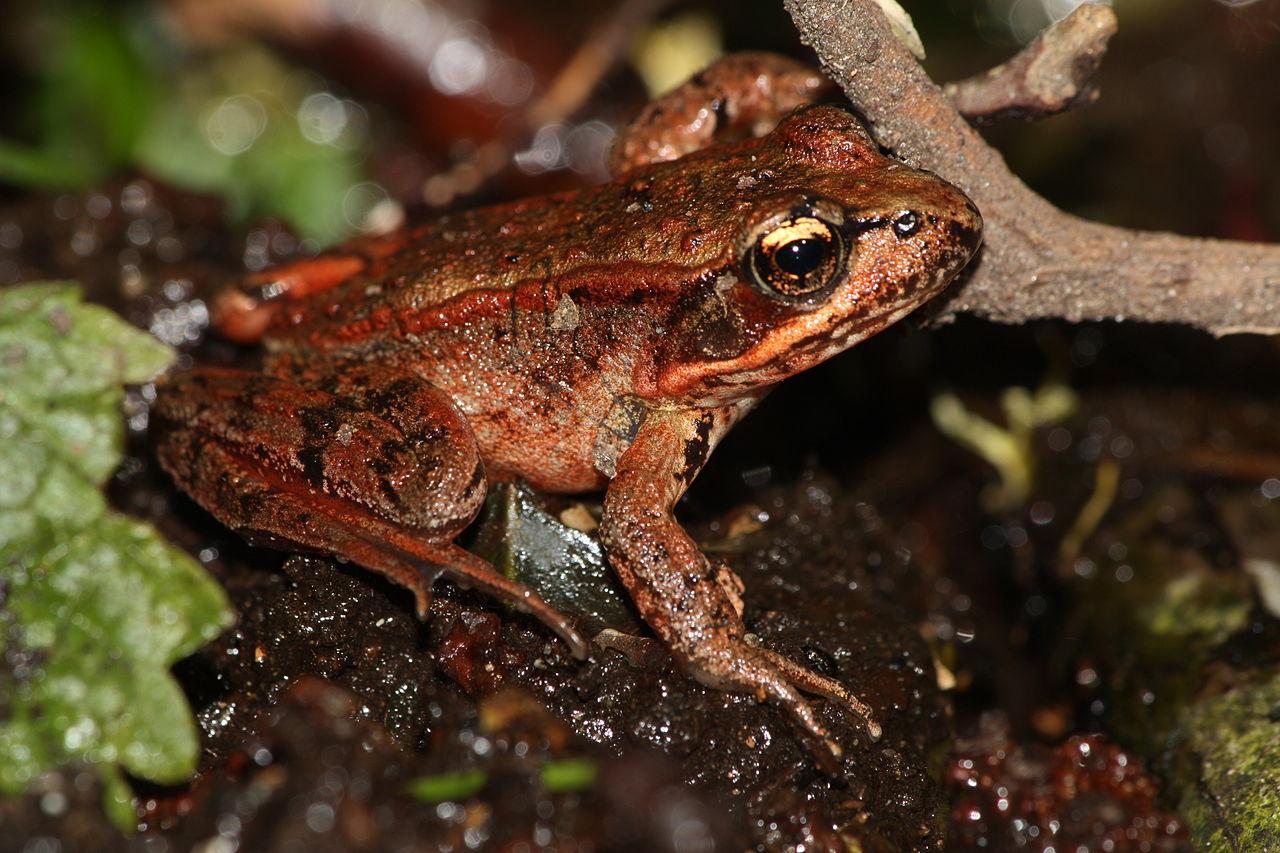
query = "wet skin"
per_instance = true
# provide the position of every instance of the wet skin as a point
(599, 339)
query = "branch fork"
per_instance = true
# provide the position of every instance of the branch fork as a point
(1037, 261)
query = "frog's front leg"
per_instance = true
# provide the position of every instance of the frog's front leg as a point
(372, 464)
(680, 594)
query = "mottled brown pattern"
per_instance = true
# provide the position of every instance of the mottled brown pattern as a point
(604, 337)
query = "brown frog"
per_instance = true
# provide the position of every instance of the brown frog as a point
(599, 339)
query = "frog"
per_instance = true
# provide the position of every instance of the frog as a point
(598, 339)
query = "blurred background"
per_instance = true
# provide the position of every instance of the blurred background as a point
(337, 116)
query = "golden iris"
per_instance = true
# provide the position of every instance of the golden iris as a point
(797, 258)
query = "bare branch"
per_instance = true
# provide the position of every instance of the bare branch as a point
(602, 49)
(1037, 262)
(1048, 76)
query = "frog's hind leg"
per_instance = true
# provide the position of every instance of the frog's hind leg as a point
(380, 469)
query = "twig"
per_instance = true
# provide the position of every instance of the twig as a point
(1048, 76)
(604, 47)
(1037, 262)
(1106, 484)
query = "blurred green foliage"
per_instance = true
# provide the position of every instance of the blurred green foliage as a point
(568, 775)
(113, 92)
(91, 99)
(96, 606)
(446, 787)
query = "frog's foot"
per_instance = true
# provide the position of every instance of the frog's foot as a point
(741, 94)
(743, 667)
(828, 688)
(640, 652)
(384, 476)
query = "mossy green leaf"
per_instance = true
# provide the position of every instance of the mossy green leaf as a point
(96, 605)
(54, 347)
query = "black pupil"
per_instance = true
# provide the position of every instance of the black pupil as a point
(801, 257)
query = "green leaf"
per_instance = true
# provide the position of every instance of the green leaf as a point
(54, 348)
(112, 90)
(47, 167)
(566, 566)
(96, 606)
(117, 797)
(100, 68)
(93, 95)
(559, 777)
(232, 127)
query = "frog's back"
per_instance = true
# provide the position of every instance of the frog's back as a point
(530, 316)
(441, 274)
(492, 265)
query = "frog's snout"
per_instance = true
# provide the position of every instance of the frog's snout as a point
(966, 227)
(925, 233)
(946, 230)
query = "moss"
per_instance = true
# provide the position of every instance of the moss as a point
(1156, 633)
(1200, 607)
(1229, 770)
(1160, 618)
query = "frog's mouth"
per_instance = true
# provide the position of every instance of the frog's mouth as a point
(805, 351)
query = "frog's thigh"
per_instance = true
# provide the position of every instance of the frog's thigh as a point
(396, 451)
(378, 467)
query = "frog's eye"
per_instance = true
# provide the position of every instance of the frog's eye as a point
(796, 258)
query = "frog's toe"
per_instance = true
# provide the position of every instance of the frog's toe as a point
(466, 568)
(749, 668)
(640, 652)
(810, 682)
